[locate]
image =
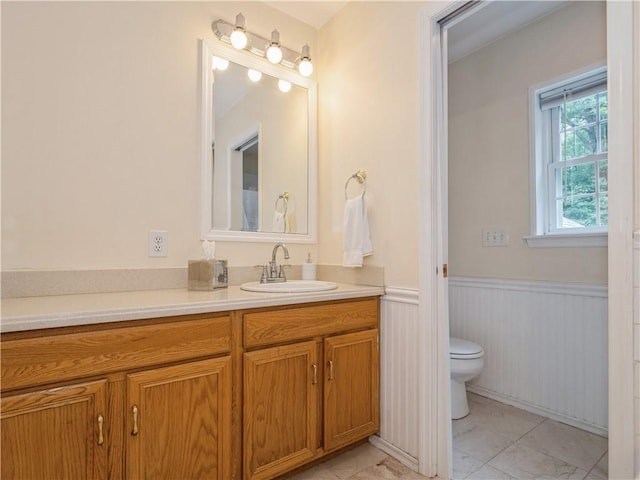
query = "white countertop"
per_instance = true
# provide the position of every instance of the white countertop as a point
(31, 313)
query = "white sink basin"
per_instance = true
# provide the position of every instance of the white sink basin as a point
(290, 286)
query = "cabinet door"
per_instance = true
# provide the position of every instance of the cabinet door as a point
(280, 409)
(352, 388)
(179, 421)
(55, 433)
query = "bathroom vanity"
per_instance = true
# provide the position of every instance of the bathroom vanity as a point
(224, 385)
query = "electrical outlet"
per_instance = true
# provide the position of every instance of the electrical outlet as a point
(158, 243)
(495, 237)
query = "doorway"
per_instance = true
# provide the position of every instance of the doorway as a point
(434, 291)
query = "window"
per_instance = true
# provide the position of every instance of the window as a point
(570, 131)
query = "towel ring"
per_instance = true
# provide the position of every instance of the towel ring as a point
(360, 176)
(285, 201)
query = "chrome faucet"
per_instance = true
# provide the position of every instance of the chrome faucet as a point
(275, 273)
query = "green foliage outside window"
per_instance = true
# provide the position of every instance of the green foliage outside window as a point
(583, 133)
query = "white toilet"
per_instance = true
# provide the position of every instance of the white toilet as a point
(466, 360)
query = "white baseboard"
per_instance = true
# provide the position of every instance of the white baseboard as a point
(402, 457)
(543, 412)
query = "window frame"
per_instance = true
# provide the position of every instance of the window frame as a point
(542, 184)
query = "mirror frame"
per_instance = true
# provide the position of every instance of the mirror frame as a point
(207, 50)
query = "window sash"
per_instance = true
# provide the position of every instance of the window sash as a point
(553, 174)
(596, 124)
(556, 196)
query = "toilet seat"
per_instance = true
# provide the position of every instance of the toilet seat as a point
(464, 349)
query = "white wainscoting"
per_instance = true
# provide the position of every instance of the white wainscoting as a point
(399, 376)
(545, 345)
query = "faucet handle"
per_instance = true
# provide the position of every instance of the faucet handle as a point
(264, 278)
(281, 273)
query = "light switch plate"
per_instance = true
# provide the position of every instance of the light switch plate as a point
(495, 237)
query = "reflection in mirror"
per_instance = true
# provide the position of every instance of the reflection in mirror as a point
(260, 156)
(245, 110)
(249, 164)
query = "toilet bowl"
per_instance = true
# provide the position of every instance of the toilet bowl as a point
(466, 363)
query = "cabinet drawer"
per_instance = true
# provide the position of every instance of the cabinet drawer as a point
(291, 324)
(37, 361)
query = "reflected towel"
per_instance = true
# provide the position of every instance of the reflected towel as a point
(356, 241)
(280, 224)
(291, 223)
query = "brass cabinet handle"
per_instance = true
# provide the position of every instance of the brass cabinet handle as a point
(134, 410)
(315, 374)
(330, 369)
(100, 435)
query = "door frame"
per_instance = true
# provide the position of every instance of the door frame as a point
(434, 446)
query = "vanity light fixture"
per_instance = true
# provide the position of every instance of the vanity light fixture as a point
(238, 36)
(254, 75)
(274, 53)
(305, 67)
(284, 86)
(261, 47)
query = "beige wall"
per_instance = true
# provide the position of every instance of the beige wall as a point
(489, 146)
(100, 130)
(100, 136)
(368, 118)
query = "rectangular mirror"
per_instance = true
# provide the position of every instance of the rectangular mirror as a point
(258, 149)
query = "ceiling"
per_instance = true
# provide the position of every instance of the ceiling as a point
(310, 12)
(492, 21)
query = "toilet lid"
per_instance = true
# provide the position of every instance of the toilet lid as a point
(459, 348)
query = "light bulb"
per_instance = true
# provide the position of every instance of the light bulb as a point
(219, 63)
(238, 37)
(284, 86)
(254, 75)
(305, 67)
(274, 53)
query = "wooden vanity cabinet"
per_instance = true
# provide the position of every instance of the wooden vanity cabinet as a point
(351, 388)
(316, 390)
(55, 432)
(180, 421)
(280, 409)
(146, 399)
(247, 394)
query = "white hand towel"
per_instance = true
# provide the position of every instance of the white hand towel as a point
(356, 241)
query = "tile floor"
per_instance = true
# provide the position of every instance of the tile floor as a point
(495, 441)
(365, 462)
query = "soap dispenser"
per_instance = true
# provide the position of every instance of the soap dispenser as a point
(308, 269)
